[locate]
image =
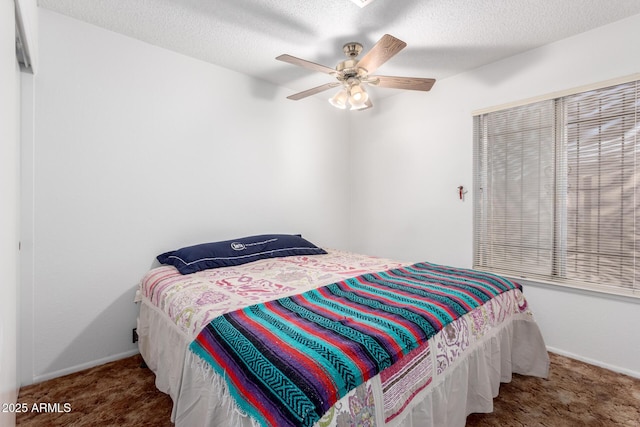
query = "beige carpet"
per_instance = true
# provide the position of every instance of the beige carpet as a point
(123, 394)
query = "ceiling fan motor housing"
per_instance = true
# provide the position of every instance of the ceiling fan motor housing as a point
(347, 69)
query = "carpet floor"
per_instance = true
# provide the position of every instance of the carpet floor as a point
(123, 394)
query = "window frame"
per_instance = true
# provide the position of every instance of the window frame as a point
(559, 219)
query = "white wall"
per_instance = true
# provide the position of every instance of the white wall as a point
(138, 150)
(135, 150)
(416, 149)
(9, 213)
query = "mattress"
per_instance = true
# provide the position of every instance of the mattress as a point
(454, 373)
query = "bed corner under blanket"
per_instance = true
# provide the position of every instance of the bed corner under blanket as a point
(286, 362)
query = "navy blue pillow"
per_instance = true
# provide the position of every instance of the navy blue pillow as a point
(239, 251)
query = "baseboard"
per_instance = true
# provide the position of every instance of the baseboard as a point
(83, 366)
(594, 362)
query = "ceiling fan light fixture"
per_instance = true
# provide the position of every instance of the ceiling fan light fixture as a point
(359, 107)
(339, 100)
(354, 73)
(358, 96)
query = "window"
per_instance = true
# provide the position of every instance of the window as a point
(557, 190)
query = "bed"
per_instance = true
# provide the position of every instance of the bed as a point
(432, 378)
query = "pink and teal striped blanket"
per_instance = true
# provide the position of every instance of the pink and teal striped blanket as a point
(287, 361)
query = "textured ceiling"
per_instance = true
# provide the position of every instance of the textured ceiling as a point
(444, 37)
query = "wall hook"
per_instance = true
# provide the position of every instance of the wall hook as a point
(461, 192)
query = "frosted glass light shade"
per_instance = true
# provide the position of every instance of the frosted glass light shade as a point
(339, 100)
(358, 96)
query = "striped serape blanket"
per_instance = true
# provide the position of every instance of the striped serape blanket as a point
(287, 361)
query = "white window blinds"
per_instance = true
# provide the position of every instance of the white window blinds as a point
(556, 190)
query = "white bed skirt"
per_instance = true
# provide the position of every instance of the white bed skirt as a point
(467, 385)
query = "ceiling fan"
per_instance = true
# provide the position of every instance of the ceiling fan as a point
(353, 74)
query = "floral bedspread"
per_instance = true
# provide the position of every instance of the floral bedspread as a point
(193, 300)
